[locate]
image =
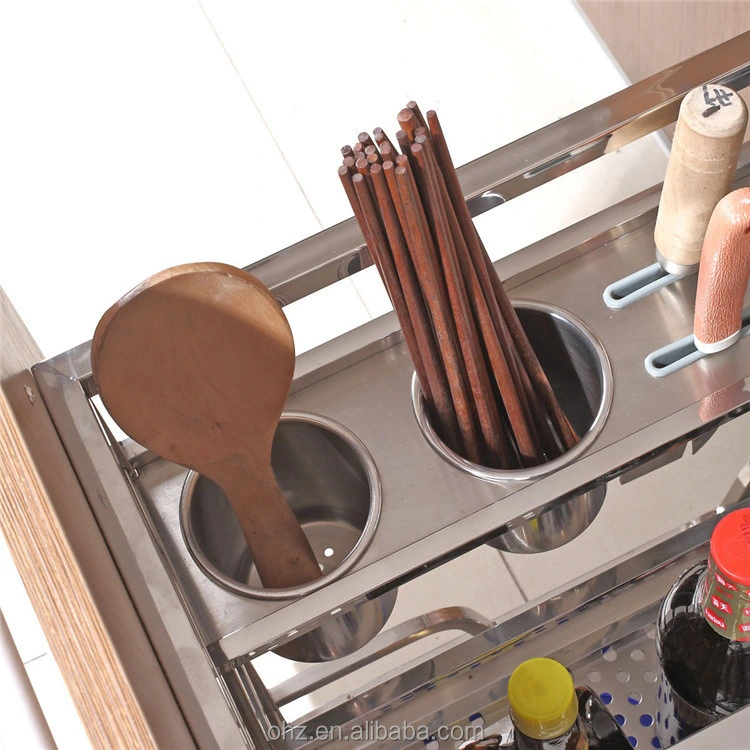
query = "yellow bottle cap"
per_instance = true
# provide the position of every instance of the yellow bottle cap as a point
(542, 697)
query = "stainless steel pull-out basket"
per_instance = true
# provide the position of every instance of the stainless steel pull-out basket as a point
(390, 505)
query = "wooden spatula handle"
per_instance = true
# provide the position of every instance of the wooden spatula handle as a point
(281, 552)
(723, 275)
(704, 155)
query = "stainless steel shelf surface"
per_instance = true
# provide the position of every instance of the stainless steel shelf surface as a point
(432, 510)
(594, 627)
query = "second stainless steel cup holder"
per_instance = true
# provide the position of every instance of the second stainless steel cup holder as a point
(581, 376)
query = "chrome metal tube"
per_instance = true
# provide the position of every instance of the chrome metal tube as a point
(518, 167)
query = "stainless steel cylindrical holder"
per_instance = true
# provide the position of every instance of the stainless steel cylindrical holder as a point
(581, 376)
(331, 484)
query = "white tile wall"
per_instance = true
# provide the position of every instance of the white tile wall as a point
(326, 314)
(56, 704)
(45, 677)
(494, 71)
(132, 146)
(22, 723)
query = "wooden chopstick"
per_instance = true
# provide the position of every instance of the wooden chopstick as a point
(510, 391)
(388, 152)
(408, 122)
(434, 376)
(346, 178)
(528, 356)
(532, 365)
(365, 140)
(549, 441)
(424, 256)
(404, 143)
(376, 241)
(500, 353)
(484, 388)
(381, 139)
(414, 107)
(372, 155)
(468, 337)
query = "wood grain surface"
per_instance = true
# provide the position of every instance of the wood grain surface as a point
(701, 168)
(646, 36)
(94, 632)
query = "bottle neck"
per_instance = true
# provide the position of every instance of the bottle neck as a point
(726, 604)
(574, 739)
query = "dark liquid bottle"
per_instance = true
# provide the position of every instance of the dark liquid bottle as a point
(703, 639)
(544, 708)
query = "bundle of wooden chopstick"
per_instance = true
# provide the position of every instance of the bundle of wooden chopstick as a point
(486, 393)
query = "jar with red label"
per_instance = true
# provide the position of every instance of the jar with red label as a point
(703, 636)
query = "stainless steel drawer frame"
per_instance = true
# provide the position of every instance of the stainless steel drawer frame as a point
(206, 659)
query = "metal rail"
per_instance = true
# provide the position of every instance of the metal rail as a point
(522, 165)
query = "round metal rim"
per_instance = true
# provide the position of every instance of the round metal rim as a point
(346, 564)
(534, 472)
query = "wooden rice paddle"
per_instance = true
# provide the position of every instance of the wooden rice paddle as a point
(195, 364)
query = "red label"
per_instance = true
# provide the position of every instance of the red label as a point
(721, 605)
(746, 611)
(744, 628)
(725, 583)
(715, 619)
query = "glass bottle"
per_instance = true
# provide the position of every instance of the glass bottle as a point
(703, 636)
(544, 708)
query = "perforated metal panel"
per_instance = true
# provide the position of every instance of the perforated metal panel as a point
(626, 677)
